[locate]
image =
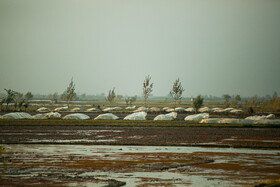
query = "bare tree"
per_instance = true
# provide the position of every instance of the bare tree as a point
(111, 96)
(177, 91)
(70, 91)
(147, 88)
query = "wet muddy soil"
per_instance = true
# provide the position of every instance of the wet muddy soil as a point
(91, 165)
(113, 135)
(84, 155)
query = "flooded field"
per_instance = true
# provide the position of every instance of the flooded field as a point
(97, 165)
(77, 155)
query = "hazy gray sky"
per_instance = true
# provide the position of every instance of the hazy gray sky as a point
(213, 46)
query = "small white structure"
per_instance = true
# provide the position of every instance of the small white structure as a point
(16, 115)
(204, 109)
(166, 117)
(108, 116)
(136, 116)
(53, 115)
(197, 117)
(191, 109)
(77, 116)
(60, 109)
(43, 109)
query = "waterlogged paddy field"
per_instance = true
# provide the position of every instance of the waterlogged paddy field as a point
(164, 156)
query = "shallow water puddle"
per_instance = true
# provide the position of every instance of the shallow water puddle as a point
(87, 165)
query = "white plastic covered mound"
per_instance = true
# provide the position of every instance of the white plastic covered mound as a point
(191, 109)
(43, 109)
(108, 116)
(240, 121)
(270, 116)
(204, 109)
(16, 115)
(217, 110)
(170, 110)
(130, 107)
(39, 116)
(77, 116)
(76, 109)
(236, 111)
(112, 109)
(155, 109)
(197, 117)
(53, 115)
(93, 110)
(166, 108)
(229, 109)
(65, 108)
(136, 116)
(166, 117)
(180, 109)
(225, 121)
(142, 109)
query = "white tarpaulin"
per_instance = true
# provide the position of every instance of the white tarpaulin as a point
(39, 116)
(65, 108)
(190, 109)
(43, 109)
(197, 117)
(77, 116)
(16, 115)
(108, 116)
(167, 117)
(53, 115)
(136, 116)
(204, 109)
(239, 121)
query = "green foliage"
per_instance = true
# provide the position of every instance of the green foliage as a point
(177, 91)
(28, 96)
(147, 88)
(227, 99)
(197, 103)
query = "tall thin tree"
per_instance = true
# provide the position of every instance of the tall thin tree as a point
(147, 88)
(176, 91)
(70, 92)
(111, 96)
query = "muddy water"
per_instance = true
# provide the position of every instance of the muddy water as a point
(91, 165)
